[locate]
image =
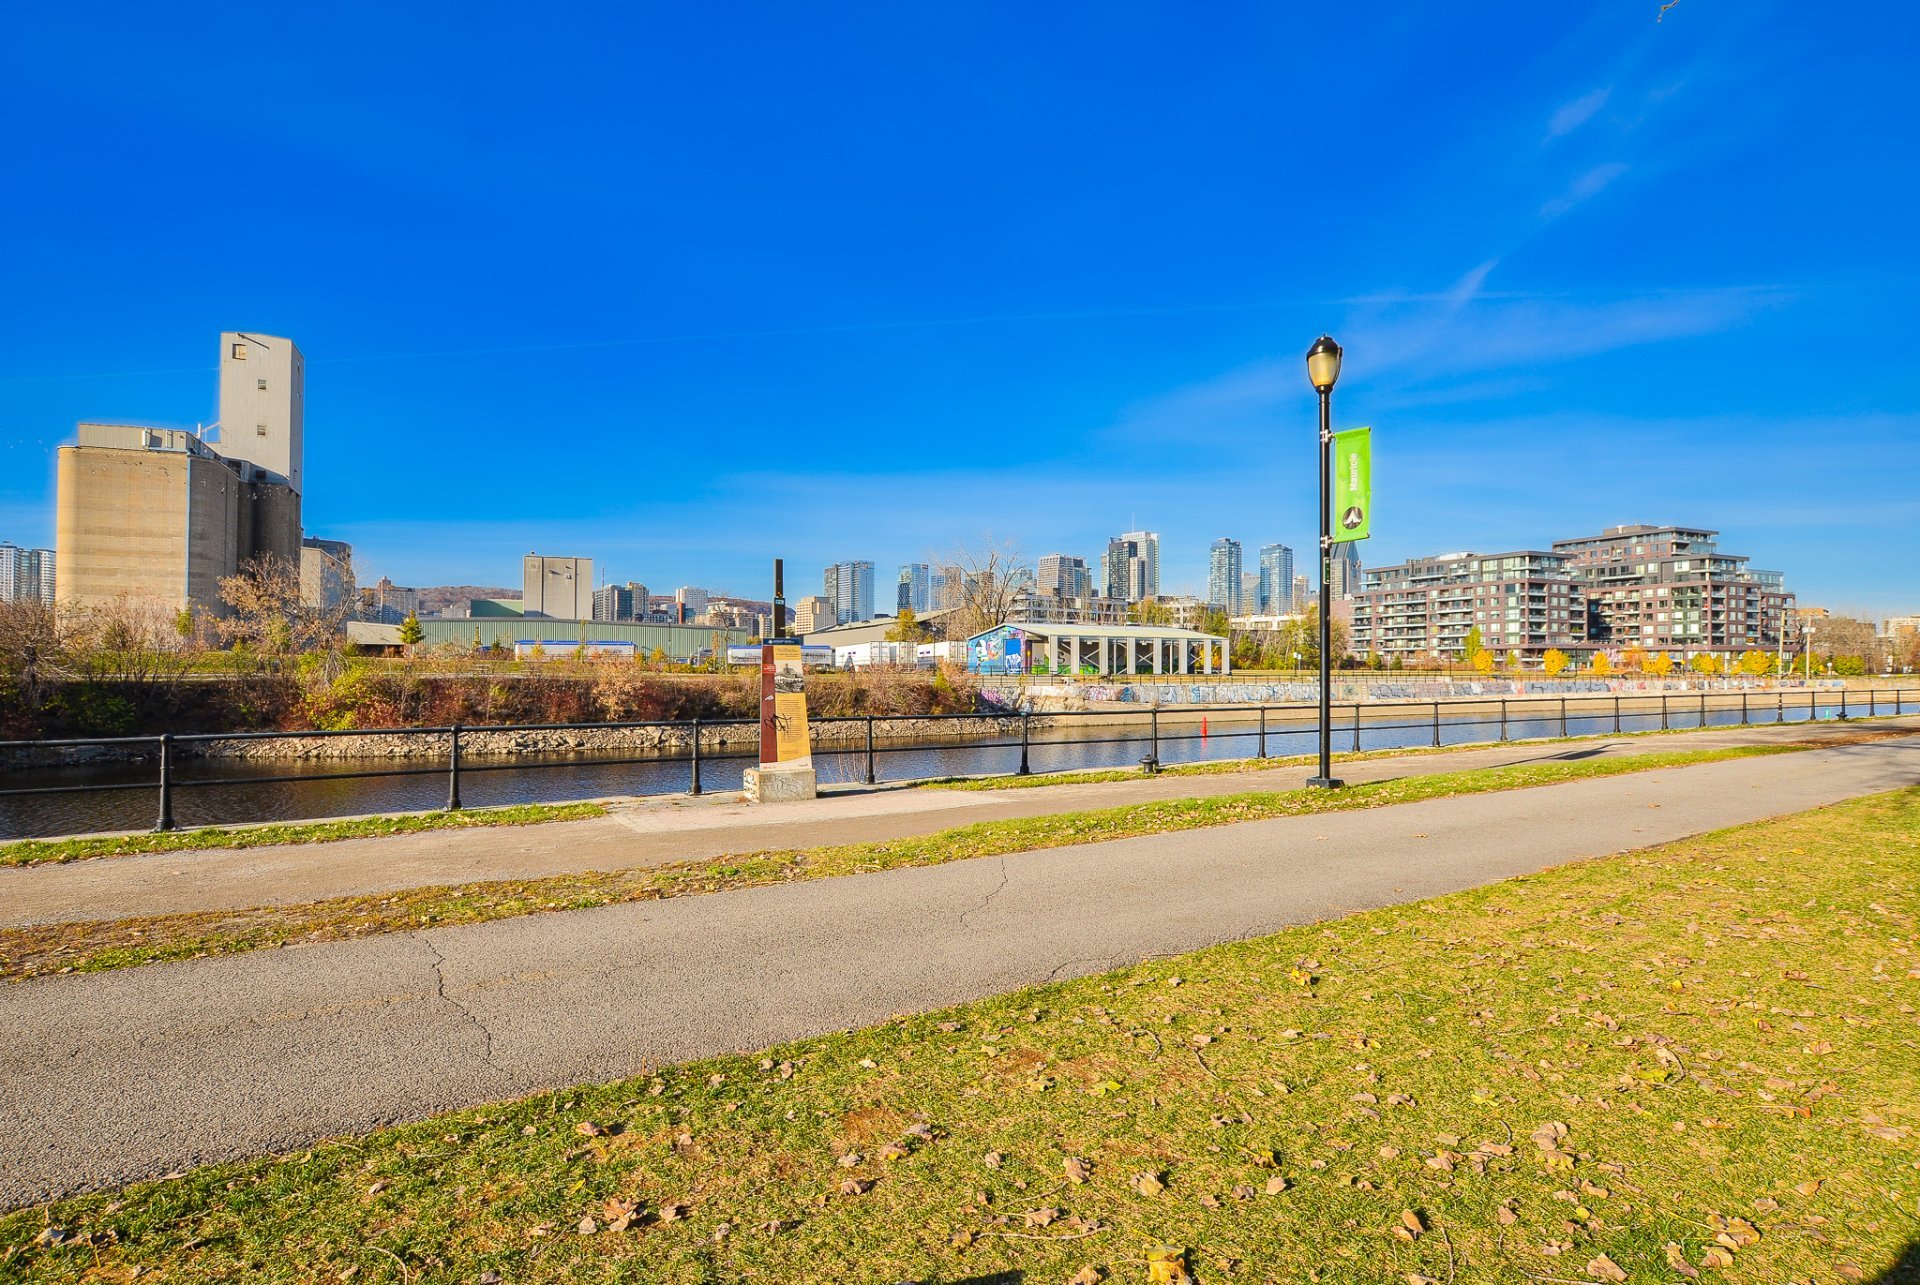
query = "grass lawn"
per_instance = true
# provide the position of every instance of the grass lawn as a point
(1701, 1059)
(92, 946)
(31, 852)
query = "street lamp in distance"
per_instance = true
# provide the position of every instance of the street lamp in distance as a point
(1323, 372)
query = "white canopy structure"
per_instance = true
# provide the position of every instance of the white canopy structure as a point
(1029, 647)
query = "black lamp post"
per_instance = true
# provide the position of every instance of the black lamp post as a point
(1323, 371)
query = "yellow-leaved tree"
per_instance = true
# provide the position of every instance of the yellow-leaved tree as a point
(1659, 664)
(1483, 661)
(1601, 665)
(1554, 661)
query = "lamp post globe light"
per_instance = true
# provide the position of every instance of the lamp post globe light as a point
(1323, 372)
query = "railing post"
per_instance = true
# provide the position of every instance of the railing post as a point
(1503, 718)
(453, 768)
(1779, 704)
(1436, 725)
(1563, 718)
(1873, 702)
(166, 784)
(1743, 707)
(1356, 727)
(1843, 702)
(1153, 751)
(1663, 711)
(1616, 716)
(870, 747)
(694, 785)
(1703, 709)
(1263, 731)
(1025, 719)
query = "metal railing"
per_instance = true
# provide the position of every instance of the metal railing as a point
(1385, 725)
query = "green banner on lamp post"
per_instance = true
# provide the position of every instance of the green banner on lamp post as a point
(1352, 485)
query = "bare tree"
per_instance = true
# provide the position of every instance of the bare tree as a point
(271, 617)
(982, 585)
(1835, 637)
(129, 639)
(32, 656)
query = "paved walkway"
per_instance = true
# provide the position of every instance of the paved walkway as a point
(112, 1077)
(656, 831)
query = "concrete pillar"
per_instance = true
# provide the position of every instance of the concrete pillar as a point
(1186, 654)
(1206, 657)
(1133, 650)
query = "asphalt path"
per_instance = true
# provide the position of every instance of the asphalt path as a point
(112, 1077)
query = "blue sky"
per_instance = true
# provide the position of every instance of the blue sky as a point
(683, 288)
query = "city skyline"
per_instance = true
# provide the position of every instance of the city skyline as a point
(1615, 323)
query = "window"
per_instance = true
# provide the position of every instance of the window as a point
(239, 352)
(261, 384)
(260, 429)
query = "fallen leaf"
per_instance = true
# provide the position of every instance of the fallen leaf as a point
(723, 1231)
(1147, 1184)
(1078, 1170)
(853, 1186)
(1276, 1185)
(1602, 1268)
(851, 1159)
(588, 1226)
(588, 1129)
(1167, 1265)
(1040, 1217)
(1087, 1276)
(1717, 1256)
(992, 1159)
(1411, 1221)
(1678, 1261)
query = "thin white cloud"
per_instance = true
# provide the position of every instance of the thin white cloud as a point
(1584, 188)
(1573, 115)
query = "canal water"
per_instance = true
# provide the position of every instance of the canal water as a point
(218, 791)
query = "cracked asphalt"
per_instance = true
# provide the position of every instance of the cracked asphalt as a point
(112, 1077)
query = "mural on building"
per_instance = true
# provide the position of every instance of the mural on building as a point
(998, 651)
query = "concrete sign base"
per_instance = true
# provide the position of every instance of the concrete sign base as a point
(780, 784)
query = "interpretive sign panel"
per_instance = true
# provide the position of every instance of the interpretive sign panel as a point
(783, 707)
